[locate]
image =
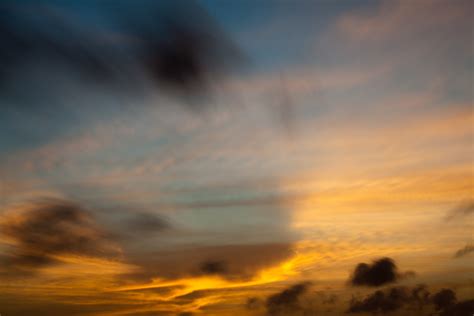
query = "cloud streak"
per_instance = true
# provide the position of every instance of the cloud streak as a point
(462, 210)
(464, 251)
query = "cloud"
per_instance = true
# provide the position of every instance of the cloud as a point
(286, 301)
(463, 308)
(146, 223)
(416, 298)
(420, 295)
(380, 272)
(444, 299)
(253, 303)
(380, 301)
(231, 262)
(39, 232)
(115, 62)
(464, 251)
(327, 299)
(295, 300)
(390, 300)
(177, 48)
(213, 267)
(462, 210)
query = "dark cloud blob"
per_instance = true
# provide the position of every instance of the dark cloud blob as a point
(444, 299)
(50, 227)
(463, 308)
(446, 303)
(464, 209)
(464, 251)
(213, 267)
(287, 301)
(380, 272)
(177, 45)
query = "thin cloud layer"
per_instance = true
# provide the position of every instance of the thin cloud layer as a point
(231, 262)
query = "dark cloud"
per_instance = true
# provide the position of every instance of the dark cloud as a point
(176, 46)
(287, 301)
(464, 251)
(392, 299)
(464, 209)
(444, 299)
(414, 299)
(381, 301)
(380, 272)
(50, 227)
(463, 308)
(295, 300)
(76, 69)
(213, 267)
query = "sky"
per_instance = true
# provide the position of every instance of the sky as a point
(306, 157)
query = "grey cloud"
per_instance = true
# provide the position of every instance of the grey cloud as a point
(146, 223)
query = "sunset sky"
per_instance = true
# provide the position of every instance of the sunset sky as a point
(316, 135)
